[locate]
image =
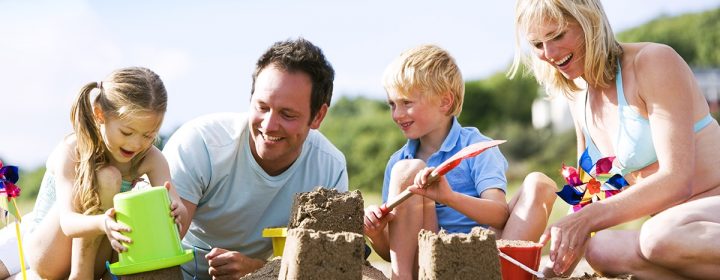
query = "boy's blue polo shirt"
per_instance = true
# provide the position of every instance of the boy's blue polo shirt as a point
(472, 177)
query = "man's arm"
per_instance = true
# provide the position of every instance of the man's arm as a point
(190, 207)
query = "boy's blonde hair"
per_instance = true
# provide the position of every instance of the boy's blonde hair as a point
(602, 50)
(430, 70)
(124, 94)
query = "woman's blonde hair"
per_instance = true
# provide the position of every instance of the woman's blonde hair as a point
(123, 94)
(431, 70)
(602, 50)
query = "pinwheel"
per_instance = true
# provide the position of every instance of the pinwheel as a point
(591, 183)
(8, 207)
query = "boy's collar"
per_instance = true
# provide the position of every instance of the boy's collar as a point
(452, 138)
(448, 144)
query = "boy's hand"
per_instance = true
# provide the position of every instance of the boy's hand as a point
(113, 231)
(374, 222)
(226, 264)
(438, 190)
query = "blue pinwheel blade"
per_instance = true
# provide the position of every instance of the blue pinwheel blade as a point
(586, 162)
(617, 181)
(570, 195)
(10, 173)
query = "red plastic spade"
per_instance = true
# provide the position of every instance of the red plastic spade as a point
(442, 169)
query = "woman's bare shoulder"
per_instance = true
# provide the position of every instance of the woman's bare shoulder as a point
(649, 56)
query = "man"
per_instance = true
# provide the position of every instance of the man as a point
(238, 173)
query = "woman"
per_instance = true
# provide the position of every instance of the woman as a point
(638, 102)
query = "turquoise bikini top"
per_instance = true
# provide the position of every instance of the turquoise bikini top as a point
(634, 148)
(126, 186)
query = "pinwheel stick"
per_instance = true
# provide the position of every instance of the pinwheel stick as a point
(19, 240)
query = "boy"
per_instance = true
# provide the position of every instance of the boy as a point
(425, 92)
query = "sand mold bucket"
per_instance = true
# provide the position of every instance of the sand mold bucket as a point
(278, 236)
(528, 255)
(156, 241)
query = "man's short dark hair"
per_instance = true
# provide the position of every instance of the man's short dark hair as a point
(301, 55)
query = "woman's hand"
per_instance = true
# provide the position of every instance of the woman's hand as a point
(374, 222)
(568, 238)
(113, 230)
(438, 190)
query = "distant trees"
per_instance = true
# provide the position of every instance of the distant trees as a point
(364, 131)
(696, 37)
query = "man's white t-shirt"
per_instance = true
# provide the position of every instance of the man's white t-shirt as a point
(211, 165)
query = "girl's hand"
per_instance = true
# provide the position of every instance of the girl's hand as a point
(374, 222)
(438, 190)
(113, 231)
(568, 238)
(177, 209)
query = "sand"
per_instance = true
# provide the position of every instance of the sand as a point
(370, 272)
(458, 255)
(271, 271)
(588, 276)
(328, 210)
(161, 274)
(325, 236)
(311, 254)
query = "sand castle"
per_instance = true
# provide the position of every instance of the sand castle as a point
(458, 256)
(324, 240)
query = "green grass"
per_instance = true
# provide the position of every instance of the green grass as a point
(25, 207)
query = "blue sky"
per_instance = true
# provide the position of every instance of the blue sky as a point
(205, 50)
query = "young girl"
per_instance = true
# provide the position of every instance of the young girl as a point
(111, 147)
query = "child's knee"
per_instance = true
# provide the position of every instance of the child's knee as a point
(108, 176)
(540, 184)
(109, 181)
(404, 172)
(408, 166)
(49, 271)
